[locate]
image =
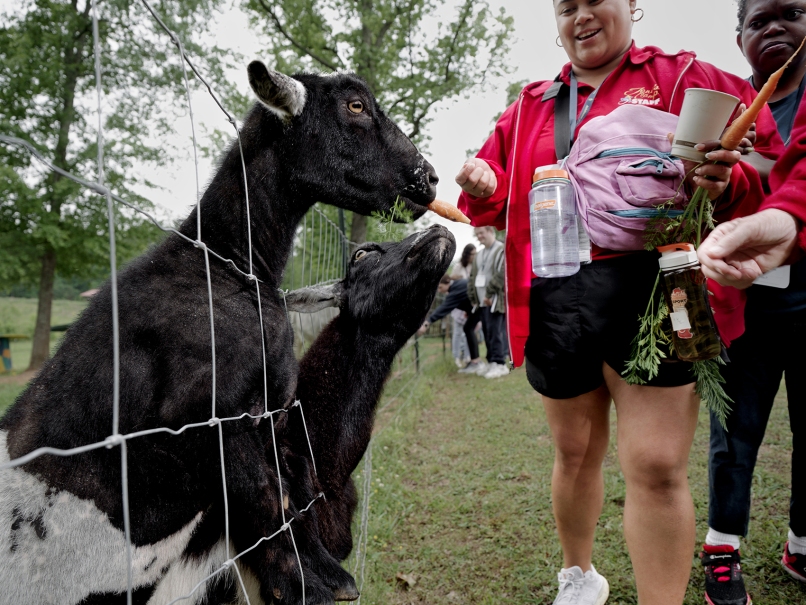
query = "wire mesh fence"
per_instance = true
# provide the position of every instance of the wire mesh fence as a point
(320, 254)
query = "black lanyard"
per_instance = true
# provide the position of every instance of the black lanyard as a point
(573, 120)
(565, 115)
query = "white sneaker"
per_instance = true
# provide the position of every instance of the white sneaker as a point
(478, 367)
(577, 588)
(458, 362)
(496, 370)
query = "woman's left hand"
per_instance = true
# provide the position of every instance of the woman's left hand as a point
(713, 177)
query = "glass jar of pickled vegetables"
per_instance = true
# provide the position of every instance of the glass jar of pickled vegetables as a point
(694, 332)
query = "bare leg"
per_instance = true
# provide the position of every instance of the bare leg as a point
(655, 432)
(581, 430)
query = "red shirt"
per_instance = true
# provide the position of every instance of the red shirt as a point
(647, 76)
(788, 177)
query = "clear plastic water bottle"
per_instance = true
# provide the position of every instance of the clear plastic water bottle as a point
(553, 222)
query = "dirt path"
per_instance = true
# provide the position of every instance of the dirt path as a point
(17, 379)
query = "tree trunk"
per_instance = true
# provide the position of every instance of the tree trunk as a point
(41, 344)
(358, 228)
(73, 57)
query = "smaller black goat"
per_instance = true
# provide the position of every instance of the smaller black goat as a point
(382, 301)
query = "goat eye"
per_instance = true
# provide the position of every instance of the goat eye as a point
(355, 106)
(360, 254)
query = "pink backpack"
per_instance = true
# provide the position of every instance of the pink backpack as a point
(622, 170)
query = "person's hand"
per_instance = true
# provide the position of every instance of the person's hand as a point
(739, 251)
(423, 328)
(477, 178)
(749, 141)
(714, 174)
(488, 302)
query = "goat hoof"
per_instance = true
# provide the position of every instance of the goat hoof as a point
(346, 593)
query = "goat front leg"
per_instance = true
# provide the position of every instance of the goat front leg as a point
(255, 513)
(312, 529)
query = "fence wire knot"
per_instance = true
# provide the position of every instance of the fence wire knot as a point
(214, 421)
(251, 277)
(227, 564)
(113, 440)
(200, 244)
(296, 403)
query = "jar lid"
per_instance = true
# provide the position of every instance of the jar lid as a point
(677, 255)
(553, 171)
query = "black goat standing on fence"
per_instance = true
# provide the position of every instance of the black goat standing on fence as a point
(386, 295)
(311, 138)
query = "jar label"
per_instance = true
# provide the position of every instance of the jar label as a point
(680, 322)
(544, 205)
(679, 315)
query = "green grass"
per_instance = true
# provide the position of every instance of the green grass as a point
(461, 501)
(8, 393)
(18, 316)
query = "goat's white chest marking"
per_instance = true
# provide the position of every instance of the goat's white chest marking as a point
(60, 548)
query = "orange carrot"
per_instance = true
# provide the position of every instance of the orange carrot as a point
(733, 136)
(449, 211)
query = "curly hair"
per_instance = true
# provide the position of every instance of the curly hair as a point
(741, 14)
(466, 254)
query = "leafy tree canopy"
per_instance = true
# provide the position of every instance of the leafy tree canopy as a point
(413, 54)
(48, 98)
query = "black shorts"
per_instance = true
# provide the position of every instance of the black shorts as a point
(576, 323)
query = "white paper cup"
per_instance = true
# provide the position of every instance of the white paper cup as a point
(703, 117)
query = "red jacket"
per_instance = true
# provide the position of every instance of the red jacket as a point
(524, 139)
(788, 178)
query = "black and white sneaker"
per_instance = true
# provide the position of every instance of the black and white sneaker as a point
(794, 564)
(724, 584)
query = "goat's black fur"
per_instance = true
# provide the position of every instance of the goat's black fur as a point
(324, 152)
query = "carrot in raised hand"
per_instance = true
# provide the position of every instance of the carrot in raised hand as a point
(448, 211)
(733, 136)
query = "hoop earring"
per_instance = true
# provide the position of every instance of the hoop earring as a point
(558, 43)
(633, 19)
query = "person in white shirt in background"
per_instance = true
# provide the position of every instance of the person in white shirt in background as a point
(485, 288)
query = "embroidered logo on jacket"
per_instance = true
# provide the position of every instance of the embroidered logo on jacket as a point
(641, 96)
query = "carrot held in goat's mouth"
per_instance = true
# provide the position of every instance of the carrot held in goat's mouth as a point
(448, 211)
(733, 136)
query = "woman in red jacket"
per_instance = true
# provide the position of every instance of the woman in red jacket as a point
(575, 332)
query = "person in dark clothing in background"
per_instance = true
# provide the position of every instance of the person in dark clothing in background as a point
(770, 348)
(457, 299)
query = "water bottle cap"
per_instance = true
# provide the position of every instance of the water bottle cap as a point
(674, 256)
(549, 172)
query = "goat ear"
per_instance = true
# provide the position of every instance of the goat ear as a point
(314, 298)
(281, 94)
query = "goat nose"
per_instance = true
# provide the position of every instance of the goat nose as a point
(433, 179)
